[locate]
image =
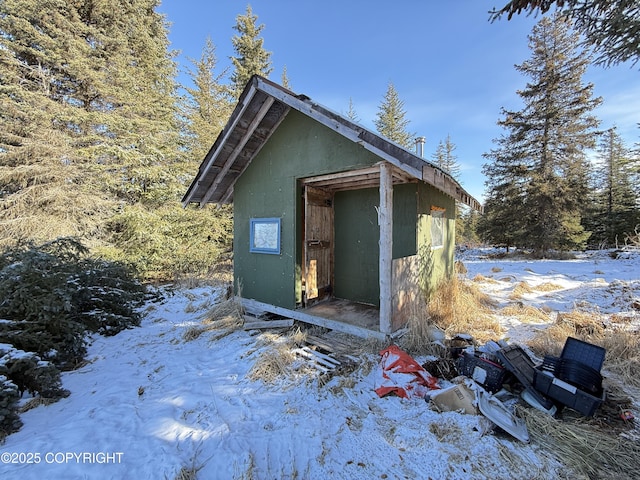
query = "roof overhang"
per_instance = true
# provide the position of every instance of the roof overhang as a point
(261, 108)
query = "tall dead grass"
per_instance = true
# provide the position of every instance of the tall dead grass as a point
(457, 306)
(224, 317)
(277, 361)
(583, 447)
(525, 313)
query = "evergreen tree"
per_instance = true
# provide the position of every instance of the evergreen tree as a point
(251, 57)
(609, 26)
(391, 122)
(208, 104)
(44, 111)
(351, 113)
(614, 211)
(445, 158)
(285, 79)
(88, 115)
(538, 177)
(467, 226)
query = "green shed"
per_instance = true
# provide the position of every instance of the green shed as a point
(333, 224)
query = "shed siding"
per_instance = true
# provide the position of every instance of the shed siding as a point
(269, 187)
(357, 233)
(437, 263)
(299, 148)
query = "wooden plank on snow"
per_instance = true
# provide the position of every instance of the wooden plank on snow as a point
(256, 324)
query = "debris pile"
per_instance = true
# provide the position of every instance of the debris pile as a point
(493, 378)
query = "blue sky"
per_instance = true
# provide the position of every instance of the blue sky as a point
(452, 68)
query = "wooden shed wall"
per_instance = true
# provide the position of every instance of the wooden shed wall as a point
(357, 233)
(437, 263)
(300, 147)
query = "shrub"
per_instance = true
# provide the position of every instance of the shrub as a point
(9, 396)
(53, 293)
(19, 372)
(28, 372)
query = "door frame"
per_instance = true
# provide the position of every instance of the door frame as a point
(317, 244)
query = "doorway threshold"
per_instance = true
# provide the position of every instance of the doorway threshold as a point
(340, 315)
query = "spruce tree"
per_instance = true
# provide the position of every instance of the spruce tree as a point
(391, 119)
(351, 112)
(208, 103)
(49, 78)
(538, 175)
(613, 210)
(285, 79)
(251, 57)
(88, 115)
(445, 158)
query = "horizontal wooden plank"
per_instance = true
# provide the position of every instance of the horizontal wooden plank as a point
(314, 320)
(316, 357)
(261, 324)
(326, 358)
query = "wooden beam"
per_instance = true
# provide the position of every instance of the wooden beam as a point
(226, 198)
(255, 324)
(340, 176)
(236, 151)
(212, 155)
(313, 320)
(385, 221)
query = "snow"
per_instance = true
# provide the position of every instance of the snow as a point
(149, 403)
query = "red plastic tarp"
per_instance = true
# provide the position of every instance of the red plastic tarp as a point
(402, 375)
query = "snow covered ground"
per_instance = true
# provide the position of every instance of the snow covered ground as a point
(150, 404)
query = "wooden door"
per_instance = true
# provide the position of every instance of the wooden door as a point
(317, 244)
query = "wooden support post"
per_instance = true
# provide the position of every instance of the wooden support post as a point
(385, 221)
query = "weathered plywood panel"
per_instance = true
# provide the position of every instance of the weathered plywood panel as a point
(407, 297)
(318, 243)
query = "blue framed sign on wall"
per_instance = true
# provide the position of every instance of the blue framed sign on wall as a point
(264, 235)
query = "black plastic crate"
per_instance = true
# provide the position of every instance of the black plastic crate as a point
(485, 372)
(566, 394)
(583, 352)
(516, 360)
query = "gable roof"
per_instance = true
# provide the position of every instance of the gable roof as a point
(260, 109)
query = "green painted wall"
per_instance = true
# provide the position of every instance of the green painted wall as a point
(356, 245)
(438, 263)
(357, 255)
(301, 147)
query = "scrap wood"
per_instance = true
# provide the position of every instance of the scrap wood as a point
(334, 346)
(323, 360)
(251, 323)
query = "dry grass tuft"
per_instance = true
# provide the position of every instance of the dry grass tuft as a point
(273, 363)
(225, 316)
(227, 311)
(481, 278)
(520, 289)
(460, 307)
(583, 323)
(525, 313)
(548, 287)
(277, 361)
(583, 447)
(422, 337)
(496, 269)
